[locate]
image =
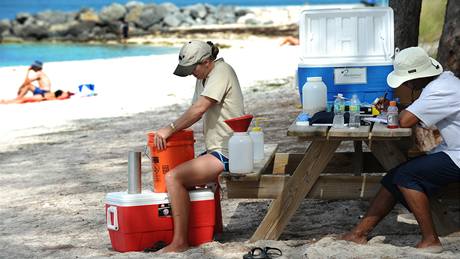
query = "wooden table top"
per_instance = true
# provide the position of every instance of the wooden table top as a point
(375, 131)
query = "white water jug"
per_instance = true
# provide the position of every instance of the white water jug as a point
(314, 95)
(240, 153)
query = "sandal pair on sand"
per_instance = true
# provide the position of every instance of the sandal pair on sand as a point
(263, 253)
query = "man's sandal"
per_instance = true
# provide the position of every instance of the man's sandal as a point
(263, 253)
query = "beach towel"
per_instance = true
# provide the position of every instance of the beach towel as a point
(33, 99)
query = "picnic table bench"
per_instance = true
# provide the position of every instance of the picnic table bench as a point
(305, 182)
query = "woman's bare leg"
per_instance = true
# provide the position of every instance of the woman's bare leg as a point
(201, 170)
(382, 204)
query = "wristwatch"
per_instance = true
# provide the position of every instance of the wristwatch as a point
(172, 126)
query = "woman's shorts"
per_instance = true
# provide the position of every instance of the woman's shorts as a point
(219, 156)
(427, 174)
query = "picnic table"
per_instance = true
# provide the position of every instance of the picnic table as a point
(305, 181)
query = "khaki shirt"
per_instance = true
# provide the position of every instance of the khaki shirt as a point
(221, 85)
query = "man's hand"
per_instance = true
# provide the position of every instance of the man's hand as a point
(160, 137)
(382, 104)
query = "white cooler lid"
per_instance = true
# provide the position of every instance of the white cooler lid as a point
(346, 36)
(148, 197)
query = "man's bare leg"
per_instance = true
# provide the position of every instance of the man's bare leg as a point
(419, 204)
(382, 204)
(198, 171)
(24, 89)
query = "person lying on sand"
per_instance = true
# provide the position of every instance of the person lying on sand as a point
(35, 74)
(414, 182)
(57, 95)
(289, 40)
(217, 97)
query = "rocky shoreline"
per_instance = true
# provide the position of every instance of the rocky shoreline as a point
(141, 19)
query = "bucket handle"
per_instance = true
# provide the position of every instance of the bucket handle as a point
(147, 152)
(175, 143)
(112, 226)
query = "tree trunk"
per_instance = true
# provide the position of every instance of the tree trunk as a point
(449, 44)
(407, 20)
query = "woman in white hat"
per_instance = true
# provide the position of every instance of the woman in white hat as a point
(218, 97)
(414, 182)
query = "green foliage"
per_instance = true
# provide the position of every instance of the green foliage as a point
(432, 20)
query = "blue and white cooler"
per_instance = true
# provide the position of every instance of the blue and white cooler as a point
(350, 49)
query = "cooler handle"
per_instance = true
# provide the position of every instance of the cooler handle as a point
(114, 225)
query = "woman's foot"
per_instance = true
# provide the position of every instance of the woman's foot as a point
(353, 237)
(173, 248)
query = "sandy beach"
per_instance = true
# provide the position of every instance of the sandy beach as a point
(58, 160)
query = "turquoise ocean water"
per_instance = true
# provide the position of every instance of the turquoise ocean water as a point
(16, 54)
(9, 8)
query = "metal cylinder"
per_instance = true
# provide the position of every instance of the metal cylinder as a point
(134, 172)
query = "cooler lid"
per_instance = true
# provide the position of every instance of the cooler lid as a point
(144, 198)
(357, 35)
(152, 198)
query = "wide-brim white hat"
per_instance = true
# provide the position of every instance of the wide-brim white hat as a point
(412, 63)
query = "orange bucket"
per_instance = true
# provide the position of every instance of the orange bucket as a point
(179, 149)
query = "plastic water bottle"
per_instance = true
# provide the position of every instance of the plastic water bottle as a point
(392, 116)
(314, 96)
(339, 110)
(355, 107)
(257, 137)
(240, 153)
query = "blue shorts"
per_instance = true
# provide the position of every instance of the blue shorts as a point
(427, 174)
(219, 156)
(38, 91)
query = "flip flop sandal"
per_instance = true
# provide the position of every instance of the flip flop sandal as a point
(272, 252)
(157, 246)
(256, 253)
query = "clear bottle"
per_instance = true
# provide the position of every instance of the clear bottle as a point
(355, 107)
(314, 95)
(240, 153)
(339, 110)
(392, 116)
(257, 137)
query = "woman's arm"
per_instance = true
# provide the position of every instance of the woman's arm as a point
(192, 115)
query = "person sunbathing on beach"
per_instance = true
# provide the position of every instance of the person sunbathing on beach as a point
(414, 182)
(289, 40)
(35, 74)
(57, 95)
(217, 97)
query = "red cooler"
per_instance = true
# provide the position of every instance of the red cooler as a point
(138, 221)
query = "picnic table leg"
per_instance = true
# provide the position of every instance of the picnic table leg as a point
(357, 158)
(317, 156)
(389, 156)
(442, 223)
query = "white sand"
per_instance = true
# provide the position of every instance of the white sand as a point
(130, 85)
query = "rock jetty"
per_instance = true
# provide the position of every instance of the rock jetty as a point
(141, 19)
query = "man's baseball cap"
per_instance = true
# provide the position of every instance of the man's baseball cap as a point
(190, 55)
(412, 63)
(37, 64)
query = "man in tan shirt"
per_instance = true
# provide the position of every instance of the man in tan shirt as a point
(218, 97)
